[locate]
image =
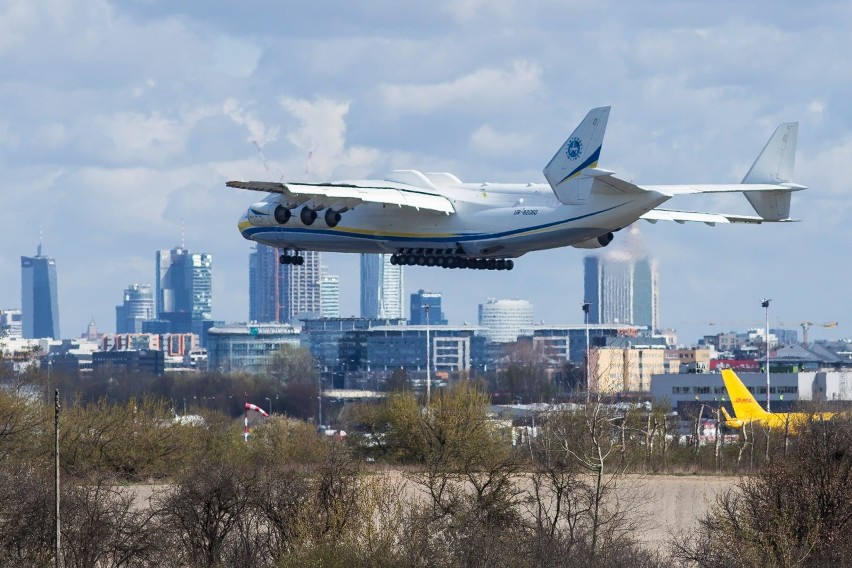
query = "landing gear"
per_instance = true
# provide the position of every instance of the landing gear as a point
(450, 261)
(296, 259)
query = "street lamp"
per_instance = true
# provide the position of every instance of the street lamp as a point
(765, 305)
(270, 404)
(428, 359)
(586, 307)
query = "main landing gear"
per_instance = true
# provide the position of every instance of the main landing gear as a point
(447, 261)
(295, 259)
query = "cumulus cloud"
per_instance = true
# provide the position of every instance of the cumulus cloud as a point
(487, 140)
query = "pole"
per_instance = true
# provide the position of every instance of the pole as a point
(586, 307)
(56, 479)
(428, 360)
(765, 305)
(319, 400)
(245, 420)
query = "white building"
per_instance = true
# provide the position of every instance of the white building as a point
(329, 295)
(381, 287)
(505, 320)
(11, 323)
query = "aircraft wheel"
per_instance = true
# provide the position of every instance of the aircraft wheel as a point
(420, 260)
(394, 259)
(299, 260)
(307, 216)
(480, 264)
(510, 265)
(410, 260)
(501, 264)
(490, 264)
(452, 262)
(430, 261)
(284, 259)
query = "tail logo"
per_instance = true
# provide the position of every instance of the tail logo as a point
(573, 148)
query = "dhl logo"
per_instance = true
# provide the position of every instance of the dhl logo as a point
(743, 400)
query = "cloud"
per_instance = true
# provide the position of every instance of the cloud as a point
(485, 87)
(486, 140)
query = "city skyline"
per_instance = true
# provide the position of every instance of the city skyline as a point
(117, 140)
(39, 298)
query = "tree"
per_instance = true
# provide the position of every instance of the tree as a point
(292, 365)
(795, 511)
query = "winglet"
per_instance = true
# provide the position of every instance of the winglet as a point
(572, 169)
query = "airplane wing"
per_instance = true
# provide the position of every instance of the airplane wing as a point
(711, 219)
(340, 195)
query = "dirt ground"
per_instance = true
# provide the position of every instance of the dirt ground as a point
(662, 504)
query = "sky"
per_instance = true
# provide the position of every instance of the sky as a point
(122, 121)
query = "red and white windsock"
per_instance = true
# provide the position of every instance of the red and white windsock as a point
(256, 408)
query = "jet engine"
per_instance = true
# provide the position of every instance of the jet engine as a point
(267, 214)
(596, 242)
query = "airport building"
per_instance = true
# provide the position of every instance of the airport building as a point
(381, 287)
(685, 391)
(247, 347)
(136, 308)
(39, 303)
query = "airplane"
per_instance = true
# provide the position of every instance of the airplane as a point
(748, 410)
(434, 219)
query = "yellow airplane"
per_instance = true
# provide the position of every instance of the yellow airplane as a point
(747, 409)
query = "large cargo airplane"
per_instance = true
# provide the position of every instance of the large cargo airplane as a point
(748, 410)
(435, 219)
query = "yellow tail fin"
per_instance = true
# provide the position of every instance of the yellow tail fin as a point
(745, 406)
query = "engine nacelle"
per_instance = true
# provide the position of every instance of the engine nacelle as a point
(267, 214)
(594, 243)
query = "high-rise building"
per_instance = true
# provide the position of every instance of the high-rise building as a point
(505, 320)
(39, 304)
(622, 289)
(417, 312)
(283, 292)
(137, 306)
(381, 287)
(329, 295)
(185, 290)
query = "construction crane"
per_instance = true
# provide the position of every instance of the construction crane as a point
(808, 324)
(805, 325)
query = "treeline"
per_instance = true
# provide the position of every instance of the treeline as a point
(141, 489)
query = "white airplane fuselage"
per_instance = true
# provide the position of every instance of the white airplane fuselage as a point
(491, 220)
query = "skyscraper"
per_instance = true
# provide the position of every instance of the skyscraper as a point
(39, 304)
(329, 295)
(184, 289)
(381, 287)
(137, 306)
(417, 313)
(283, 292)
(622, 289)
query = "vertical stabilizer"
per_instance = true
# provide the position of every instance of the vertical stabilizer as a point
(744, 403)
(774, 165)
(567, 172)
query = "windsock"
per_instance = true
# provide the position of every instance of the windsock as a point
(256, 408)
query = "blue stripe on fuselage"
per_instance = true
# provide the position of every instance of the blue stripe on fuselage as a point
(455, 238)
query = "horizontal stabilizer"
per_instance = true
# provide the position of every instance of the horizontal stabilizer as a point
(698, 217)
